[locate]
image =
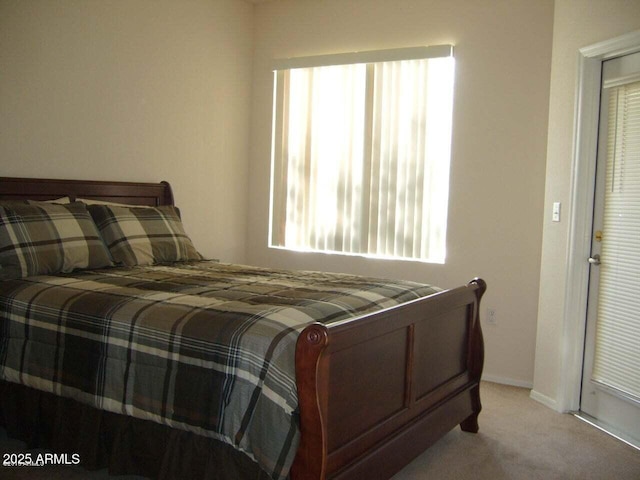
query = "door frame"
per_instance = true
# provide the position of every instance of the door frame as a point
(585, 145)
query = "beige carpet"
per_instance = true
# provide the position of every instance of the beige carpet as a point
(518, 439)
(521, 439)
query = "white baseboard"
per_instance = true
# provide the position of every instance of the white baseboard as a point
(543, 399)
(507, 381)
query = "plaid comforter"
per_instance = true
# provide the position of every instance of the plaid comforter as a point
(202, 346)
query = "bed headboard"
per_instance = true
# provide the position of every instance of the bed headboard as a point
(152, 194)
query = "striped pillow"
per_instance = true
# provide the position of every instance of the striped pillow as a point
(46, 238)
(63, 200)
(145, 235)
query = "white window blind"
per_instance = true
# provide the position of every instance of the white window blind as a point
(361, 154)
(617, 354)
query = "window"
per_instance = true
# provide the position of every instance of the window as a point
(361, 153)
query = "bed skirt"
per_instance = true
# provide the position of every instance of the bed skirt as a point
(124, 445)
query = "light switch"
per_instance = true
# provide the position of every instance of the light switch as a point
(556, 212)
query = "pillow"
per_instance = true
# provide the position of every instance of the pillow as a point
(90, 201)
(145, 235)
(48, 238)
(63, 200)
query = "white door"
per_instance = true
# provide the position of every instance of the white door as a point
(611, 371)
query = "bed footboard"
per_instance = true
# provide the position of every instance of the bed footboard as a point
(377, 391)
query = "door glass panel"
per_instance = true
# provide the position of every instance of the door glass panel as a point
(617, 348)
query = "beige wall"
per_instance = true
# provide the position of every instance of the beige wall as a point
(143, 90)
(503, 59)
(577, 24)
(150, 90)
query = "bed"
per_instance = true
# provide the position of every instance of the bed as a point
(372, 389)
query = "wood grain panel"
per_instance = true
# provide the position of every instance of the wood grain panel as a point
(367, 385)
(136, 193)
(440, 350)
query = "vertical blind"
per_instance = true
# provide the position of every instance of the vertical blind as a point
(361, 158)
(617, 352)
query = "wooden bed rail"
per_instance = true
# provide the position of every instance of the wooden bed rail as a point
(422, 362)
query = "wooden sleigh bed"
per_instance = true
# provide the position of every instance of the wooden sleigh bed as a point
(374, 391)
